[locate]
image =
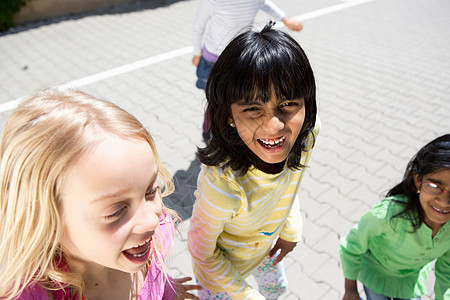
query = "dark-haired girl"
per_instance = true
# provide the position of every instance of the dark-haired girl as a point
(262, 106)
(392, 247)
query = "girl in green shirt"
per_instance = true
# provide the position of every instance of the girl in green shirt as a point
(391, 249)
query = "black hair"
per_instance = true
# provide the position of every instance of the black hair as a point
(252, 67)
(432, 157)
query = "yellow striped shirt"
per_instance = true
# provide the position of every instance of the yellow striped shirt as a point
(236, 220)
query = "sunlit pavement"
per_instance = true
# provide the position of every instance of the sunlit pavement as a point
(383, 81)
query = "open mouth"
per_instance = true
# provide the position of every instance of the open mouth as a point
(139, 253)
(272, 143)
(440, 210)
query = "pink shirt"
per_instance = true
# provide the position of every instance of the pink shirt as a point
(155, 286)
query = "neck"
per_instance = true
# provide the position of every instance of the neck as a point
(94, 275)
(269, 168)
(101, 282)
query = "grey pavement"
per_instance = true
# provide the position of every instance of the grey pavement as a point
(383, 80)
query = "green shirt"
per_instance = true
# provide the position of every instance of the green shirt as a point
(387, 257)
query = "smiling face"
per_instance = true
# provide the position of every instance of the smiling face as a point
(269, 129)
(111, 205)
(435, 207)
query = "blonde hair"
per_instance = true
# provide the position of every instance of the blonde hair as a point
(45, 134)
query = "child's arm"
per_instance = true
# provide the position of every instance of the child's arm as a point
(271, 9)
(354, 245)
(290, 234)
(216, 204)
(442, 272)
(203, 14)
(351, 290)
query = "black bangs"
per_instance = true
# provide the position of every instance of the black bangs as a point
(256, 66)
(432, 157)
(252, 71)
(275, 70)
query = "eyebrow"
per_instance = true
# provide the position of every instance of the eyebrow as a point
(244, 103)
(119, 193)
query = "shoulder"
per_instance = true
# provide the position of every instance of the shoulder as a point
(221, 187)
(33, 292)
(219, 176)
(317, 126)
(166, 225)
(312, 136)
(387, 208)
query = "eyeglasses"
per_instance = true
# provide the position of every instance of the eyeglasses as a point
(432, 188)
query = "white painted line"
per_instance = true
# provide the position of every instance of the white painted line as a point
(109, 73)
(175, 53)
(9, 105)
(326, 10)
(127, 68)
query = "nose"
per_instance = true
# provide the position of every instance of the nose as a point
(146, 217)
(273, 123)
(446, 197)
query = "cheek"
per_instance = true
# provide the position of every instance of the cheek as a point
(424, 200)
(298, 122)
(299, 118)
(247, 129)
(75, 227)
(157, 206)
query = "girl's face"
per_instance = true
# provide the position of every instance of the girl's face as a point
(435, 197)
(111, 205)
(269, 129)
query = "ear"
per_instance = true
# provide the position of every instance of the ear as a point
(231, 122)
(416, 180)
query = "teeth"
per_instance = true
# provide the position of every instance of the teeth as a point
(140, 255)
(440, 210)
(273, 142)
(141, 244)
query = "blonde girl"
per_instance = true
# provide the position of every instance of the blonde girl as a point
(81, 209)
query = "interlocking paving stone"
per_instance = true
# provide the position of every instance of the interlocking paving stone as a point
(382, 70)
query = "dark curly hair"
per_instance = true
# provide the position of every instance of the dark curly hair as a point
(432, 157)
(252, 67)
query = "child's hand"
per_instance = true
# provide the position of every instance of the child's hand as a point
(292, 24)
(182, 289)
(285, 248)
(351, 290)
(195, 60)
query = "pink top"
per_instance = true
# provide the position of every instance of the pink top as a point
(155, 286)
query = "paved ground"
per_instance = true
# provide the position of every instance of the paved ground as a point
(383, 78)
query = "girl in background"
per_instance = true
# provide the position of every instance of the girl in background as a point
(217, 22)
(391, 248)
(81, 209)
(262, 106)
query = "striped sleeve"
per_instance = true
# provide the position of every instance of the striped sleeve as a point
(292, 231)
(271, 9)
(218, 200)
(203, 15)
